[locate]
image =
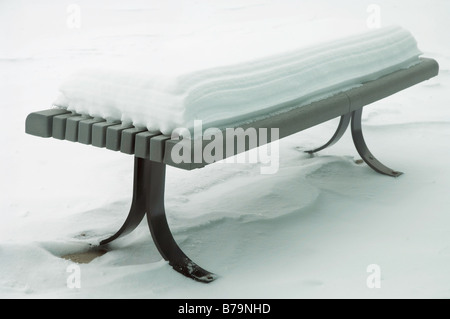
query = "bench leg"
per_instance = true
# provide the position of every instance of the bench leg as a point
(159, 228)
(148, 197)
(138, 208)
(342, 127)
(362, 149)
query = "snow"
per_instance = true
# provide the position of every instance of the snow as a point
(230, 77)
(309, 231)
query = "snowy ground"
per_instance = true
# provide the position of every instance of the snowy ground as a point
(309, 231)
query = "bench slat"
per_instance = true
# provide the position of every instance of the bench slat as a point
(142, 144)
(157, 147)
(392, 83)
(99, 133)
(41, 123)
(85, 130)
(72, 125)
(114, 135)
(59, 125)
(128, 141)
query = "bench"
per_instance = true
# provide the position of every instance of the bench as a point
(152, 152)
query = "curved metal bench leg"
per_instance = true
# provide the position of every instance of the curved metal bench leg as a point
(362, 149)
(342, 127)
(159, 228)
(137, 210)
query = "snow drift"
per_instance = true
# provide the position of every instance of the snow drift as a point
(221, 89)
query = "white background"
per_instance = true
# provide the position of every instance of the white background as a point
(309, 231)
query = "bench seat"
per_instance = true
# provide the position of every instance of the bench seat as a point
(62, 124)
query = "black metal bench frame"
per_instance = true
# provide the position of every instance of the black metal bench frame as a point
(152, 152)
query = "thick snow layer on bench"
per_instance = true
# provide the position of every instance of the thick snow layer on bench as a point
(235, 76)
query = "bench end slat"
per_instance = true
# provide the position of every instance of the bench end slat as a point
(41, 123)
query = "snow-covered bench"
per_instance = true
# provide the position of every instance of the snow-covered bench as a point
(153, 151)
